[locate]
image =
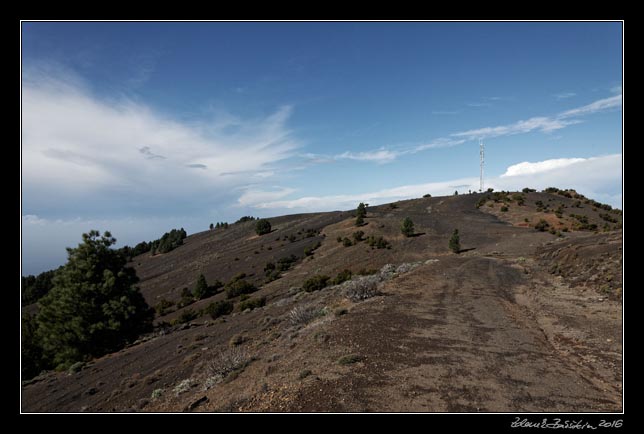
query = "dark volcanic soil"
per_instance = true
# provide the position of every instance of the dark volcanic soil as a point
(520, 321)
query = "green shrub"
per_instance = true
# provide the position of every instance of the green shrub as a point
(262, 227)
(342, 276)
(163, 306)
(378, 242)
(455, 242)
(201, 288)
(239, 287)
(316, 283)
(407, 227)
(358, 236)
(529, 190)
(359, 221)
(219, 308)
(252, 303)
(427, 195)
(349, 359)
(186, 298)
(542, 225)
(186, 316)
(504, 208)
(346, 242)
(309, 250)
(339, 239)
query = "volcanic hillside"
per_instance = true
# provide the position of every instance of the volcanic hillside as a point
(527, 317)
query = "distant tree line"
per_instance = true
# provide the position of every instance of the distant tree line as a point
(168, 242)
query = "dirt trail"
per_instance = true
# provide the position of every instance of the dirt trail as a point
(451, 337)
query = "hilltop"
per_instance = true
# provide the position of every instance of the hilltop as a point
(527, 317)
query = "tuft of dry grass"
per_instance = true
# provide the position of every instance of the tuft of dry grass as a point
(227, 361)
(301, 315)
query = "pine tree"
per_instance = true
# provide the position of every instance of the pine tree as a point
(407, 227)
(94, 307)
(212, 226)
(262, 227)
(455, 242)
(361, 211)
(201, 288)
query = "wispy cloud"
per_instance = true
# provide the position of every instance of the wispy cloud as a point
(596, 177)
(252, 196)
(77, 144)
(478, 104)
(616, 89)
(601, 105)
(543, 124)
(565, 95)
(380, 156)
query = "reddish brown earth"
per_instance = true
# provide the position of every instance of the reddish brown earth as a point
(520, 321)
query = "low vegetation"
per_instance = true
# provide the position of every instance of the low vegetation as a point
(407, 227)
(302, 315)
(455, 242)
(219, 308)
(227, 361)
(378, 242)
(252, 303)
(262, 227)
(316, 283)
(238, 286)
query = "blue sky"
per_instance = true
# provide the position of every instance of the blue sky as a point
(141, 127)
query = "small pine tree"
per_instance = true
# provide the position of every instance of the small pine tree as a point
(455, 242)
(361, 211)
(212, 226)
(359, 221)
(262, 227)
(407, 227)
(201, 288)
(456, 193)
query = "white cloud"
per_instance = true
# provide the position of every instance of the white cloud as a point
(33, 219)
(252, 197)
(599, 178)
(527, 168)
(565, 95)
(542, 124)
(380, 156)
(75, 143)
(616, 89)
(594, 107)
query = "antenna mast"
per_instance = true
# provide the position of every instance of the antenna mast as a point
(482, 152)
